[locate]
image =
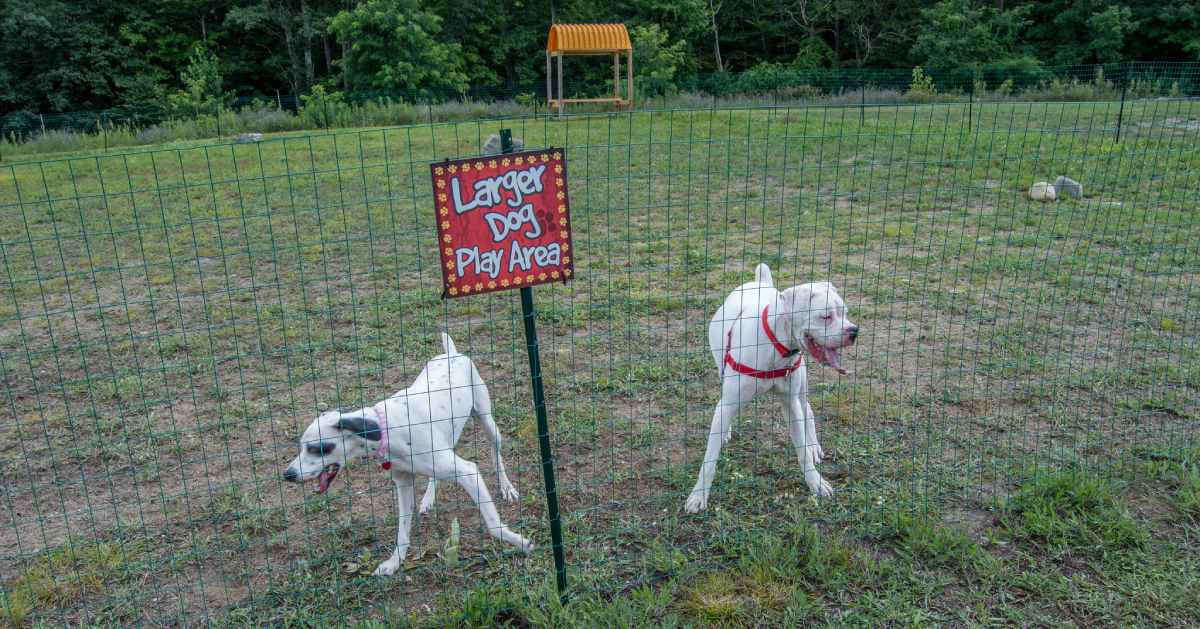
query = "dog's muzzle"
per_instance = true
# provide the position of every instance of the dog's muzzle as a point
(324, 479)
(852, 333)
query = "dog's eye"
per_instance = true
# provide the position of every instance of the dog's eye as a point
(321, 449)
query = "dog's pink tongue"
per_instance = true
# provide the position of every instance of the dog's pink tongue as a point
(825, 355)
(834, 359)
(324, 480)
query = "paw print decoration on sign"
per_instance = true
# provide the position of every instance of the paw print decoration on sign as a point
(503, 221)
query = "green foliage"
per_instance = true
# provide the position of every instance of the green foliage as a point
(656, 60)
(321, 109)
(1072, 510)
(921, 84)
(452, 545)
(74, 56)
(961, 34)
(395, 44)
(201, 85)
(60, 56)
(67, 575)
(1021, 72)
(1107, 30)
(813, 53)
(775, 78)
(1187, 496)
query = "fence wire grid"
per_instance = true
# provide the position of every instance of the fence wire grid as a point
(24, 132)
(171, 320)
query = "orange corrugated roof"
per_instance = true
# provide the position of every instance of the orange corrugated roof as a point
(588, 38)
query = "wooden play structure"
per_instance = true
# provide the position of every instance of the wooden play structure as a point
(588, 39)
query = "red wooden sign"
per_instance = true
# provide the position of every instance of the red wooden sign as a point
(503, 221)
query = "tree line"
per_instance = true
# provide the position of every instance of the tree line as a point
(66, 55)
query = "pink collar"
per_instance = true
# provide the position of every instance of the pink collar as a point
(381, 453)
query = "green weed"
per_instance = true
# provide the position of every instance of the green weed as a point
(1072, 510)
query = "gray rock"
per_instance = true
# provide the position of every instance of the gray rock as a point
(1042, 191)
(248, 138)
(1070, 187)
(492, 145)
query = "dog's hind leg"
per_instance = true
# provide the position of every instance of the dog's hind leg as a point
(733, 397)
(466, 474)
(430, 496)
(405, 484)
(481, 410)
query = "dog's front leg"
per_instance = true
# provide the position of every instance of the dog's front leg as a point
(405, 492)
(810, 432)
(794, 409)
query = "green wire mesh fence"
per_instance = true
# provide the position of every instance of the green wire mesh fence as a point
(171, 320)
(770, 84)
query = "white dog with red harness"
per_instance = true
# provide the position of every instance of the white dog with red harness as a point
(756, 338)
(411, 433)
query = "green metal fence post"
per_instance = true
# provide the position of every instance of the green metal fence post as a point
(539, 407)
(970, 106)
(862, 105)
(1121, 112)
(217, 109)
(103, 131)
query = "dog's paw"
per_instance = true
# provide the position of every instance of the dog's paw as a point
(508, 491)
(426, 502)
(696, 502)
(821, 487)
(388, 568)
(525, 545)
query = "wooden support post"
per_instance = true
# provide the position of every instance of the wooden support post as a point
(561, 96)
(629, 74)
(549, 84)
(617, 77)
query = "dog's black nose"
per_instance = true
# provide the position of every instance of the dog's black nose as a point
(853, 332)
(290, 475)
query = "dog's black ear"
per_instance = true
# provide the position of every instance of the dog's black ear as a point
(361, 426)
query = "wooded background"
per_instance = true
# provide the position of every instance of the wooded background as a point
(59, 55)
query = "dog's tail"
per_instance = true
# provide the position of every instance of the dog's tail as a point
(448, 345)
(762, 274)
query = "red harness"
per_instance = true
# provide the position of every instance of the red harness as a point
(783, 350)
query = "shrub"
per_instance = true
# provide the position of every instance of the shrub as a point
(921, 87)
(201, 85)
(322, 109)
(658, 60)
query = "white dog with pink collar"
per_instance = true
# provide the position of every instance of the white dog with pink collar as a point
(758, 338)
(413, 433)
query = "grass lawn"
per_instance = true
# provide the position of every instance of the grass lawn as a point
(1018, 442)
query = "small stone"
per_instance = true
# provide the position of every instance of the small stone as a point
(492, 145)
(1068, 187)
(1042, 191)
(248, 138)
